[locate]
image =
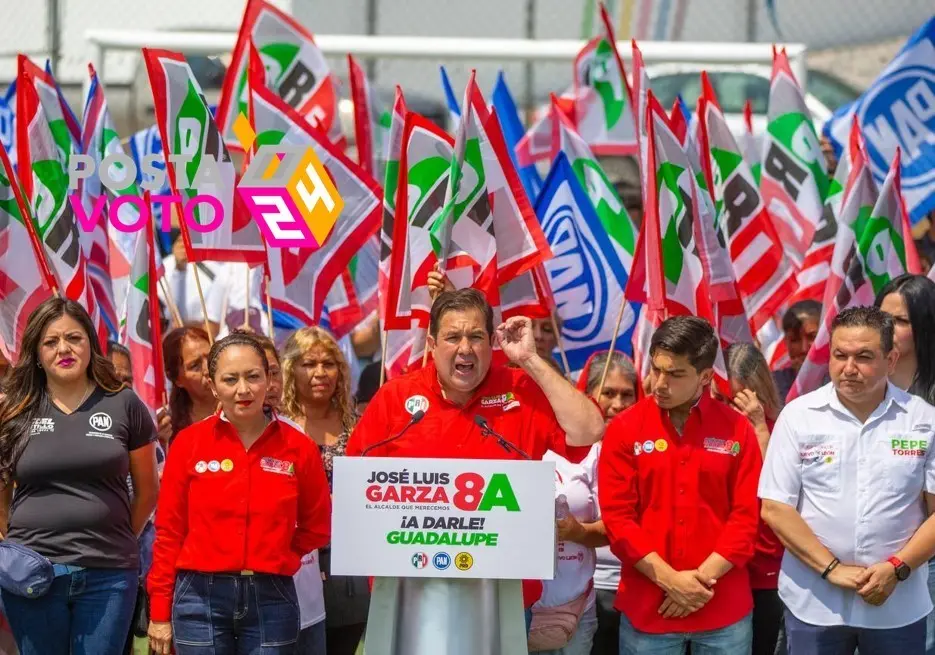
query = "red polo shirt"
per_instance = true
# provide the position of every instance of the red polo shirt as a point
(682, 497)
(510, 401)
(223, 508)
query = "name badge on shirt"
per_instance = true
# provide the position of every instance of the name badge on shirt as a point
(722, 446)
(280, 466)
(506, 400)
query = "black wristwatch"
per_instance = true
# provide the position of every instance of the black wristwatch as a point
(902, 569)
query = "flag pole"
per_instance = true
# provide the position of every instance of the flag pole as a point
(561, 346)
(613, 343)
(383, 359)
(170, 301)
(246, 311)
(269, 309)
(204, 306)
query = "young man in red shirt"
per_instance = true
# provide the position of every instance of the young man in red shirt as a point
(678, 476)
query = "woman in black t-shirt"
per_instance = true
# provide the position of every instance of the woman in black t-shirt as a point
(70, 433)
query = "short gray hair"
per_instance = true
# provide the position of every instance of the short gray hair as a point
(618, 362)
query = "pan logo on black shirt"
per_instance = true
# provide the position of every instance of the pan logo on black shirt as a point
(101, 422)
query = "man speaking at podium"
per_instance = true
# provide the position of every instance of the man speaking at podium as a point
(462, 405)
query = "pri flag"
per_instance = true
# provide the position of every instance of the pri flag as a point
(841, 291)
(794, 180)
(296, 71)
(110, 251)
(730, 315)
(813, 276)
(371, 122)
(45, 145)
(673, 262)
(764, 277)
(603, 195)
(487, 224)
(301, 278)
(140, 331)
(898, 110)
(403, 348)
(190, 136)
(424, 167)
(604, 112)
(587, 275)
(25, 281)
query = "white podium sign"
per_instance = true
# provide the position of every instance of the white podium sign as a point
(443, 518)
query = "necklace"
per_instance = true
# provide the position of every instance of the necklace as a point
(62, 406)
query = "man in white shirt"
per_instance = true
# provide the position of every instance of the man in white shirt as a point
(842, 486)
(180, 277)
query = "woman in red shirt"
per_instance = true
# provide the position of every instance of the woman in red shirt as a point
(756, 397)
(243, 497)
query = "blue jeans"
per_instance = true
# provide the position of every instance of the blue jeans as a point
(580, 642)
(735, 639)
(87, 612)
(312, 640)
(227, 614)
(806, 639)
(930, 620)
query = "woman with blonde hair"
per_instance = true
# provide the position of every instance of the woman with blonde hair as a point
(317, 396)
(755, 396)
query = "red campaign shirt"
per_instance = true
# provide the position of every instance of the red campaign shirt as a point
(767, 560)
(682, 497)
(510, 401)
(223, 508)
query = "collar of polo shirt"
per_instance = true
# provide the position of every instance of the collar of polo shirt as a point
(829, 398)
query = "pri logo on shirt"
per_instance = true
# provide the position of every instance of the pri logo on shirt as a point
(417, 403)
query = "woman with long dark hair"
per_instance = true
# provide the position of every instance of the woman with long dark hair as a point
(70, 434)
(317, 396)
(244, 498)
(910, 300)
(185, 354)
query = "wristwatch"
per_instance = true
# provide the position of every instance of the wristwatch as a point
(902, 569)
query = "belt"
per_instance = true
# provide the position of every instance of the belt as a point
(65, 569)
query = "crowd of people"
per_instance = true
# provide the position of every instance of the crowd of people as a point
(692, 513)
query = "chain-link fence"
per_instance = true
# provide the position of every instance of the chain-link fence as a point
(56, 29)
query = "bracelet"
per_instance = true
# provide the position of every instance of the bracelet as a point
(834, 563)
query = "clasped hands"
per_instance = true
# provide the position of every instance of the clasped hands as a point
(689, 591)
(874, 584)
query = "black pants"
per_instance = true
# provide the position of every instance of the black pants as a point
(767, 619)
(607, 638)
(344, 640)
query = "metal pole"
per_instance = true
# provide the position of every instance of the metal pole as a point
(530, 34)
(751, 20)
(53, 38)
(371, 30)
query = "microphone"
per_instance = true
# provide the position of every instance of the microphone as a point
(418, 416)
(488, 431)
